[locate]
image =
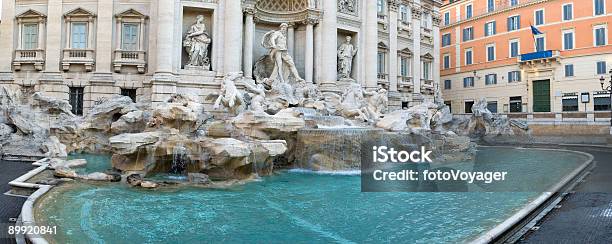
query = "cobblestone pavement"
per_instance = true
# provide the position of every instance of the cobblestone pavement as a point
(584, 216)
(10, 207)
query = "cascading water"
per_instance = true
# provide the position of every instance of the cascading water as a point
(180, 160)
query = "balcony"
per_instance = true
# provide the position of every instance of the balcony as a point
(34, 57)
(404, 83)
(78, 57)
(427, 86)
(542, 57)
(129, 58)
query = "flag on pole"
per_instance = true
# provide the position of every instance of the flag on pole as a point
(535, 31)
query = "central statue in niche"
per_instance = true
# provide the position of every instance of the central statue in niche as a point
(276, 42)
(346, 52)
(196, 44)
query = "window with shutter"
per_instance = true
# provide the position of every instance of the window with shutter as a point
(79, 36)
(30, 36)
(130, 37)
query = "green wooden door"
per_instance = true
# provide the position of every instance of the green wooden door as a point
(541, 96)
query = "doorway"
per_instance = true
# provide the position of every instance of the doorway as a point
(541, 96)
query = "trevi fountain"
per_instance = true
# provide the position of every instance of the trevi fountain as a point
(278, 161)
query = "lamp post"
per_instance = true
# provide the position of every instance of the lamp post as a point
(607, 86)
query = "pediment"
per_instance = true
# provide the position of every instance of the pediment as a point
(427, 56)
(79, 12)
(382, 45)
(405, 51)
(130, 13)
(31, 14)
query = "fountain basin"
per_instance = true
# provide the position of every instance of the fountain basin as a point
(293, 206)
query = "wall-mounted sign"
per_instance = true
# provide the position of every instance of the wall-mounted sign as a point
(585, 97)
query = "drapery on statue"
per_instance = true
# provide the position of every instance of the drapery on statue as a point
(346, 52)
(196, 44)
(276, 42)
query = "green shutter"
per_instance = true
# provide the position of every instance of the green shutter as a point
(541, 96)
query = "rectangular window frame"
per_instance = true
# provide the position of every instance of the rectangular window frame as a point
(595, 8)
(535, 17)
(570, 108)
(444, 44)
(563, 44)
(448, 84)
(568, 70)
(465, 56)
(471, 28)
(514, 76)
(34, 43)
(535, 44)
(563, 17)
(136, 38)
(490, 79)
(494, 52)
(490, 6)
(73, 28)
(518, 48)
(469, 14)
(516, 27)
(601, 69)
(488, 31)
(445, 64)
(446, 18)
(468, 82)
(597, 27)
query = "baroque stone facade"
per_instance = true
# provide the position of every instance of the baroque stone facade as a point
(85, 52)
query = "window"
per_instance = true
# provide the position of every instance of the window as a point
(539, 17)
(404, 68)
(447, 18)
(76, 100)
(569, 70)
(568, 40)
(131, 93)
(446, 39)
(540, 43)
(514, 2)
(600, 35)
(568, 11)
(514, 76)
(514, 48)
(601, 67)
(427, 65)
(490, 28)
(514, 23)
(78, 38)
(447, 84)
(599, 7)
(129, 40)
(468, 11)
(405, 17)
(570, 103)
(468, 82)
(490, 5)
(491, 52)
(449, 105)
(468, 106)
(446, 61)
(601, 101)
(516, 105)
(381, 6)
(381, 64)
(468, 34)
(491, 79)
(30, 36)
(426, 20)
(468, 57)
(492, 106)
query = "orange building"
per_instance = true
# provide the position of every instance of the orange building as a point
(489, 50)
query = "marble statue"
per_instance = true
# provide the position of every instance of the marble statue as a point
(196, 44)
(276, 42)
(230, 97)
(257, 92)
(377, 103)
(346, 52)
(347, 6)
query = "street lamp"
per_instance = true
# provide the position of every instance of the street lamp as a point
(608, 87)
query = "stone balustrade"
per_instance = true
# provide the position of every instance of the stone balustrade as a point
(129, 58)
(78, 57)
(34, 57)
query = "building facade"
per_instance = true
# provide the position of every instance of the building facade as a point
(84, 51)
(489, 50)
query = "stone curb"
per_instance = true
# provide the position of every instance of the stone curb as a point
(515, 219)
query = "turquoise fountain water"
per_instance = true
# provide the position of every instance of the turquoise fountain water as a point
(292, 206)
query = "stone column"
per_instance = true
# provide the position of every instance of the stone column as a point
(249, 32)
(436, 52)
(291, 39)
(104, 40)
(371, 43)
(416, 51)
(394, 96)
(6, 42)
(163, 84)
(329, 56)
(54, 36)
(233, 36)
(309, 55)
